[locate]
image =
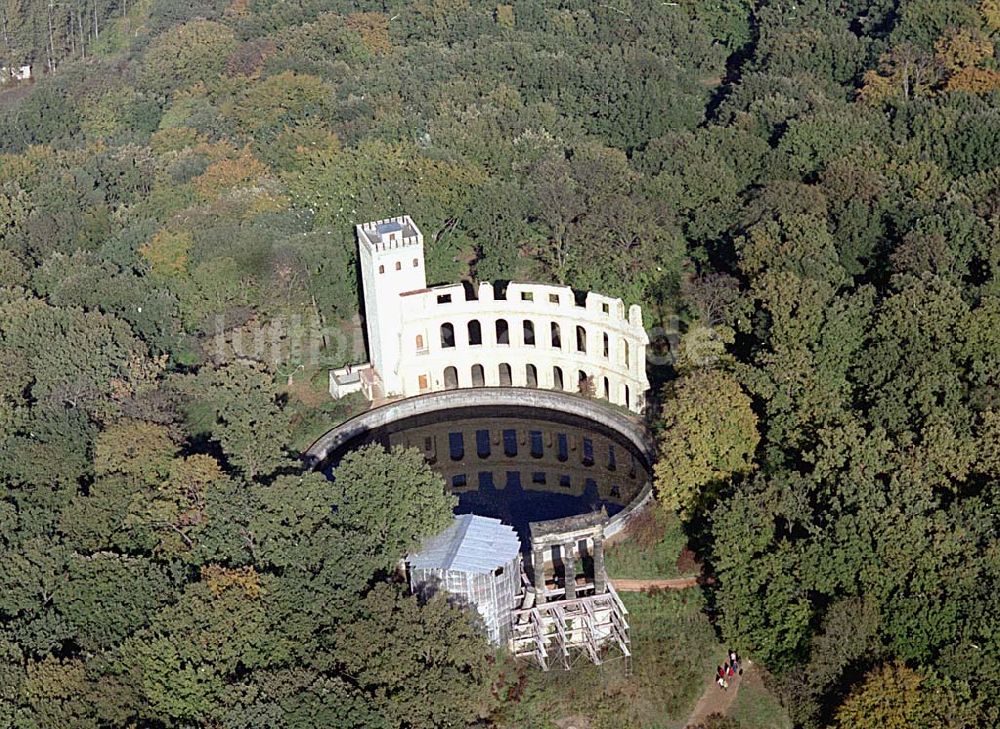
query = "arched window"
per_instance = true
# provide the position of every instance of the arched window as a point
(503, 333)
(584, 385)
(478, 376)
(447, 335)
(381, 269)
(556, 336)
(505, 378)
(607, 346)
(625, 357)
(529, 333)
(531, 375)
(416, 262)
(475, 332)
(607, 389)
(628, 399)
(420, 343)
(581, 339)
(557, 378)
(450, 378)
(399, 266)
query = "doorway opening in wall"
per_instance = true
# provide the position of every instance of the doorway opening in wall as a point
(557, 378)
(478, 376)
(450, 378)
(531, 375)
(503, 332)
(505, 377)
(556, 336)
(628, 399)
(581, 340)
(607, 389)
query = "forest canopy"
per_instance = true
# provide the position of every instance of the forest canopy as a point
(809, 189)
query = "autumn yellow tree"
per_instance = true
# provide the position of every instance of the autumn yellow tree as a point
(890, 697)
(903, 72)
(167, 252)
(709, 436)
(962, 52)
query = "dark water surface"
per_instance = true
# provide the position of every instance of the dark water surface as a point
(520, 464)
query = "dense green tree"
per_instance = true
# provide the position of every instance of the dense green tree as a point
(238, 406)
(709, 436)
(390, 500)
(430, 659)
(186, 54)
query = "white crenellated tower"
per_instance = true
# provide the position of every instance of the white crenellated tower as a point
(392, 264)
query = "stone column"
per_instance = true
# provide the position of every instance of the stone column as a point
(538, 571)
(569, 564)
(600, 577)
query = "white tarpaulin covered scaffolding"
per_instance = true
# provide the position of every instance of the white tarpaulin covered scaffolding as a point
(477, 559)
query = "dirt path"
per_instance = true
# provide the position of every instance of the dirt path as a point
(678, 583)
(714, 700)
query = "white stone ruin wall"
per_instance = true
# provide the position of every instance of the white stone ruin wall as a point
(611, 352)
(420, 341)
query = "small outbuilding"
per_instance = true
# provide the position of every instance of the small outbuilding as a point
(477, 559)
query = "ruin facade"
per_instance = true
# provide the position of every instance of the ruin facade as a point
(423, 340)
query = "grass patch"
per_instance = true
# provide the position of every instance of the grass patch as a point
(673, 647)
(654, 547)
(758, 708)
(313, 411)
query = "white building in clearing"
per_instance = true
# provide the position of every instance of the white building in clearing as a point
(424, 340)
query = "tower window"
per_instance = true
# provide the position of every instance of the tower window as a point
(416, 262)
(381, 269)
(399, 266)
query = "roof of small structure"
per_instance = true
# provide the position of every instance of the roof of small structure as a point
(471, 544)
(390, 226)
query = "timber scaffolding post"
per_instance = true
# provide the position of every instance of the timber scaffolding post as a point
(579, 614)
(564, 630)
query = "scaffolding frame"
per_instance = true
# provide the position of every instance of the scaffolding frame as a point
(565, 631)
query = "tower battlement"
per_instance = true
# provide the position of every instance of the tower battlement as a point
(390, 233)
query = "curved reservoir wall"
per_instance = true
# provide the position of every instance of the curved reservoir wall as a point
(514, 454)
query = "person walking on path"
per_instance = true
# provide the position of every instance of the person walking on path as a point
(734, 661)
(721, 678)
